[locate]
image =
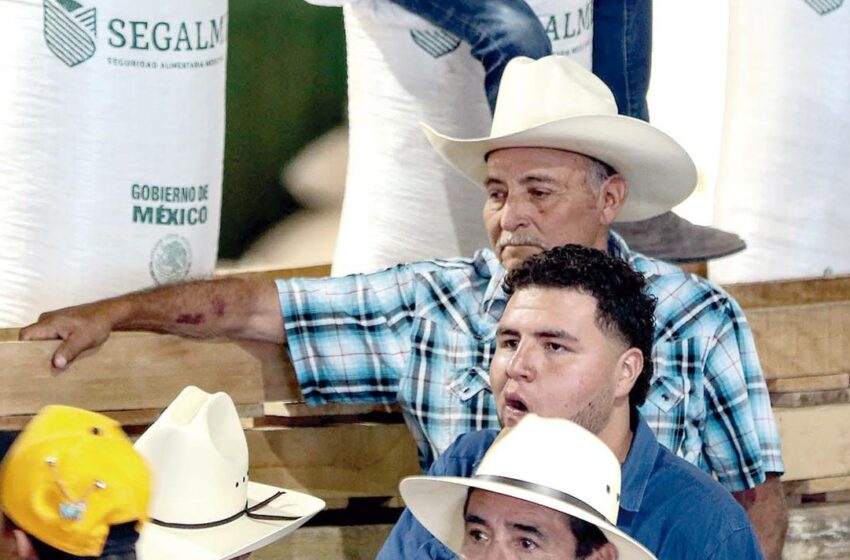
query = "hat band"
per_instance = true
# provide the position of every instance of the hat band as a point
(249, 511)
(540, 489)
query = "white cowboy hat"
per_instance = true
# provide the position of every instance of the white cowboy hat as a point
(551, 462)
(554, 102)
(203, 505)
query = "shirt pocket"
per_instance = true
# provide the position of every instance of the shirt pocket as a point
(468, 382)
(670, 384)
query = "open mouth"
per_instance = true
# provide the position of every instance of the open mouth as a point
(516, 404)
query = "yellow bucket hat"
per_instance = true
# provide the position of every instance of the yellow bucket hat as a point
(70, 476)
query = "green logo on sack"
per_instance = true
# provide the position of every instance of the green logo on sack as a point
(171, 259)
(823, 7)
(70, 30)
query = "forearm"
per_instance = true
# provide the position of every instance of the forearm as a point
(229, 307)
(765, 505)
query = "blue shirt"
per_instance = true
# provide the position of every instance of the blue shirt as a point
(422, 335)
(672, 508)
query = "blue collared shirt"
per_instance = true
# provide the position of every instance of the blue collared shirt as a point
(668, 505)
(422, 335)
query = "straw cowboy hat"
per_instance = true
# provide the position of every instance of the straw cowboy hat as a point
(554, 102)
(203, 505)
(551, 462)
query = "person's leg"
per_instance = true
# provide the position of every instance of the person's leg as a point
(622, 51)
(497, 31)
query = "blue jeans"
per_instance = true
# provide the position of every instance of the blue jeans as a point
(498, 30)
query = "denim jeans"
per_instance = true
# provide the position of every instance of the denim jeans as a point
(498, 30)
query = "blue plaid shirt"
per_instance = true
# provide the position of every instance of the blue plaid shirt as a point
(422, 335)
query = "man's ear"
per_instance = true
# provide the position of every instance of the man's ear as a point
(605, 552)
(630, 366)
(613, 195)
(24, 545)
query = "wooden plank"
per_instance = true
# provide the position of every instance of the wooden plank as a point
(139, 371)
(127, 418)
(817, 486)
(791, 292)
(815, 441)
(699, 268)
(344, 461)
(818, 531)
(802, 340)
(813, 398)
(357, 542)
(837, 381)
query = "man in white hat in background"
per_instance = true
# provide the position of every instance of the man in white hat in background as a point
(530, 498)
(561, 166)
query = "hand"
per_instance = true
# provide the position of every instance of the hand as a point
(81, 328)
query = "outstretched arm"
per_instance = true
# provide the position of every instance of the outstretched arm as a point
(235, 307)
(765, 505)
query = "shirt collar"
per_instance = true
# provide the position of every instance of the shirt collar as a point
(494, 297)
(638, 466)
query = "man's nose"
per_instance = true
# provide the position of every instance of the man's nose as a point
(514, 213)
(522, 363)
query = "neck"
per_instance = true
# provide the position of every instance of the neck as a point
(617, 433)
(601, 241)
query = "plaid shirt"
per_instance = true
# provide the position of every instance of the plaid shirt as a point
(422, 335)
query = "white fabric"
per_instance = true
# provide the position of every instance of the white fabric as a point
(786, 140)
(402, 202)
(87, 112)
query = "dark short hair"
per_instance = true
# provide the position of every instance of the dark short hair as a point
(120, 544)
(623, 307)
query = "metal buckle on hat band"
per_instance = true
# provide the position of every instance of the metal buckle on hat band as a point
(248, 511)
(540, 489)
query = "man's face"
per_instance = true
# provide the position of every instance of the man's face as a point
(553, 359)
(500, 527)
(537, 198)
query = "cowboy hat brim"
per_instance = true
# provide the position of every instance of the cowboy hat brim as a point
(659, 172)
(674, 239)
(234, 539)
(438, 502)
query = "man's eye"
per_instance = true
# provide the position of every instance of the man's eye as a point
(508, 343)
(555, 347)
(528, 544)
(478, 535)
(539, 193)
(496, 195)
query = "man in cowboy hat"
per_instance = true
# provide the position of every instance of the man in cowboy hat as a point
(571, 345)
(72, 486)
(527, 495)
(560, 167)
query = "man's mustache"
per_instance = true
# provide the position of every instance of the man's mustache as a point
(507, 239)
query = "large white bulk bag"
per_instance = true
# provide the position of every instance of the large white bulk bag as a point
(111, 145)
(402, 202)
(786, 141)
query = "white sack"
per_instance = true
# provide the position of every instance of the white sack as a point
(103, 105)
(786, 141)
(402, 202)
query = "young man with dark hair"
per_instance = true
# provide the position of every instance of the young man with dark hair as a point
(574, 343)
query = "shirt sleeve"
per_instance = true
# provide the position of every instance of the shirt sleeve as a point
(409, 539)
(348, 338)
(741, 439)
